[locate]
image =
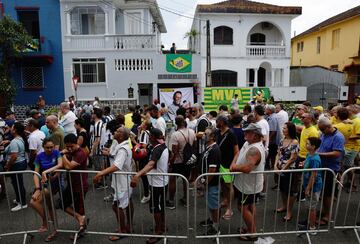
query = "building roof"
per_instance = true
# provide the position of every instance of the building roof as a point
(245, 6)
(333, 20)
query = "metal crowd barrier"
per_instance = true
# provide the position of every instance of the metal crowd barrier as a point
(265, 214)
(348, 199)
(29, 219)
(101, 220)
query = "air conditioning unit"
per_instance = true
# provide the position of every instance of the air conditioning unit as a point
(344, 93)
(266, 26)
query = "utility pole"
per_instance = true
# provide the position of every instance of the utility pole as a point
(208, 57)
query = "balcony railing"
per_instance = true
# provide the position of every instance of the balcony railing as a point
(265, 51)
(110, 42)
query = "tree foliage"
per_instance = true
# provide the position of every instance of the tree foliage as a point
(13, 39)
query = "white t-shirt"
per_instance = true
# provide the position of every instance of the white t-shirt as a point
(250, 183)
(191, 124)
(35, 140)
(68, 123)
(121, 157)
(179, 138)
(265, 130)
(282, 117)
(160, 154)
(161, 125)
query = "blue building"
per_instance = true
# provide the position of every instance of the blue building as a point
(40, 69)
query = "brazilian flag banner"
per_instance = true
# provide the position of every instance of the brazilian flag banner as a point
(214, 97)
(178, 63)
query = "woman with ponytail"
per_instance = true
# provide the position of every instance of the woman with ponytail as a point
(16, 161)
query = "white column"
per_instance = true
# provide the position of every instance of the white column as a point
(273, 83)
(107, 23)
(256, 78)
(68, 23)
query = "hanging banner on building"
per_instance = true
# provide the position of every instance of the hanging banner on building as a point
(261, 94)
(214, 97)
(176, 97)
(178, 63)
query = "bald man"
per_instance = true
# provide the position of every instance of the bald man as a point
(56, 134)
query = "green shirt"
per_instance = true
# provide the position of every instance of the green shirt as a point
(297, 121)
(57, 137)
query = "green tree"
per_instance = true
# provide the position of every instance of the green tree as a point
(192, 34)
(13, 39)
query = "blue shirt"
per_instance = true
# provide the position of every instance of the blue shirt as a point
(44, 161)
(330, 143)
(17, 146)
(313, 162)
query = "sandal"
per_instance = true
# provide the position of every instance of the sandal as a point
(323, 222)
(248, 238)
(51, 237)
(153, 240)
(116, 238)
(228, 216)
(287, 219)
(280, 210)
(242, 230)
(42, 229)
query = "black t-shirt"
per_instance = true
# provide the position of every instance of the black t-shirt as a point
(85, 139)
(239, 133)
(226, 142)
(210, 158)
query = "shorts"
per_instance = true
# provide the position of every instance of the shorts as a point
(78, 204)
(246, 199)
(313, 201)
(157, 199)
(122, 198)
(212, 197)
(328, 181)
(100, 162)
(290, 188)
(181, 169)
(226, 178)
(349, 158)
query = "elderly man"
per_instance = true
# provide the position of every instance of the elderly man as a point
(250, 159)
(67, 119)
(56, 134)
(281, 116)
(35, 140)
(299, 111)
(120, 159)
(274, 135)
(259, 113)
(330, 151)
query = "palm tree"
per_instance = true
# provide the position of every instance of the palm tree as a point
(192, 34)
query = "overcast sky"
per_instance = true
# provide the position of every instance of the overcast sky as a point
(313, 12)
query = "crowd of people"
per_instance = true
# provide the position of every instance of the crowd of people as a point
(190, 142)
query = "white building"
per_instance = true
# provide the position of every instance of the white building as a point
(250, 43)
(112, 45)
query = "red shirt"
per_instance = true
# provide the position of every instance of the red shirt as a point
(79, 179)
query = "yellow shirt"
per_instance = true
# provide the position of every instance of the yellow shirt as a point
(305, 134)
(354, 145)
(128, 121)
(347, 130)
(334, 120)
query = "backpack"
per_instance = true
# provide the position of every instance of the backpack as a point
(187, 151)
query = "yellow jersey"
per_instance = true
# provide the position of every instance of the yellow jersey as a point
(305, 134)
(347, 130)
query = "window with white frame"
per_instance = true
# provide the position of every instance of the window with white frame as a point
(87, 21)
(90, 70)
(133, 22)
(32, 77)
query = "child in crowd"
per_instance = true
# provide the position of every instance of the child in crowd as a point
(312, 182)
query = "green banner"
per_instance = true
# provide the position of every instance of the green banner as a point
(178, 63)
(261, 93)
(214, 97)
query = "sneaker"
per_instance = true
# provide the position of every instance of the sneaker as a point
(303, 199)
(303, 223)
(183, 202)
(170, 205)
(145, 199)
(101, 187)
(206, 223)
(15, 202)
(109, 198)
(211, 231)
(18, 207)
(309, 229)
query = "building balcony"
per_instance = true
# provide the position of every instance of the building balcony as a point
(110, 42)
(39, 52)
(265, 51)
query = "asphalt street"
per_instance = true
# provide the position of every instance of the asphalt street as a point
(102, 219)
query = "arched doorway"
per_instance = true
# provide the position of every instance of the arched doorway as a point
(261, 77)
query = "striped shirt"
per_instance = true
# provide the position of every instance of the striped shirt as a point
(98, 130)
(108, 118)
